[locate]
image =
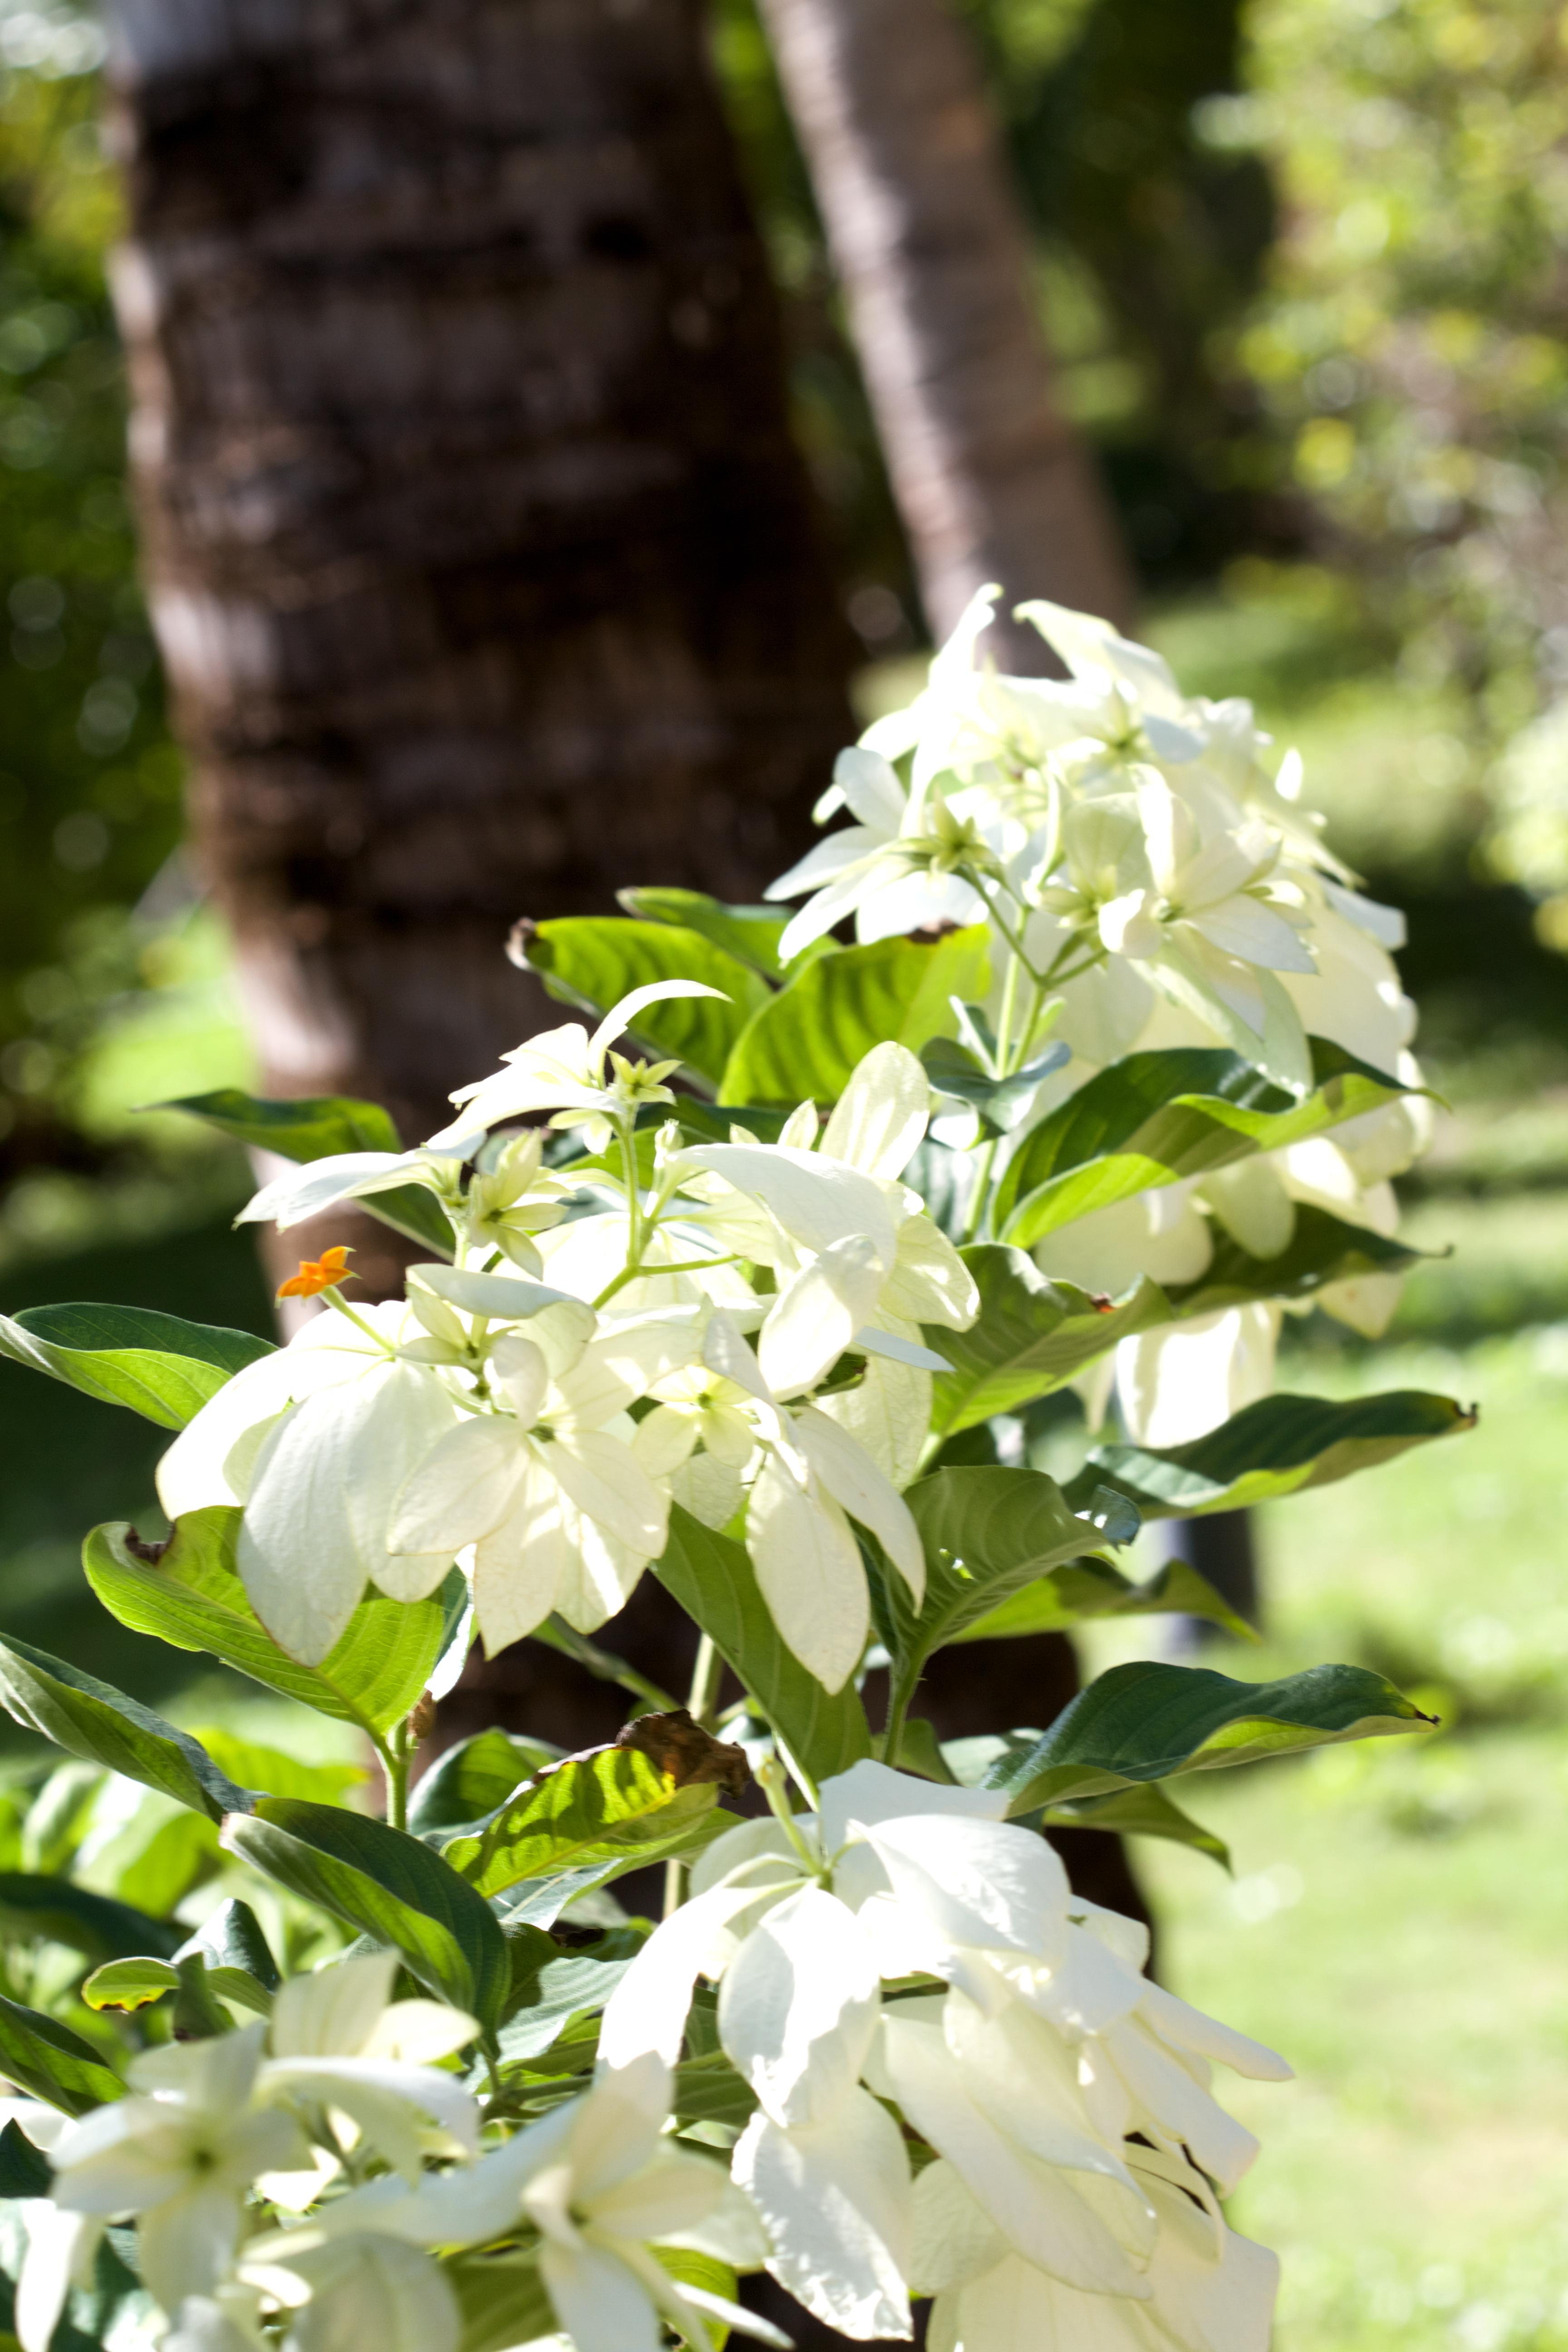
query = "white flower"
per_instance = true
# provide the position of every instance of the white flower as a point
(601, 2184)
(339, 2041)
(896, 867)
(564, 1070)
(180, 2156)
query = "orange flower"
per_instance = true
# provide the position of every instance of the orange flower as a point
(316, 1274)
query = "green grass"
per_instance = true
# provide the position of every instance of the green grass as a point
(1398, 1923)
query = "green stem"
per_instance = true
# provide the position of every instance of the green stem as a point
(774, 1785)
(602, 1664)
(335, 1298)
(981, 1196)
(396, 1757)
(681, 1266)
(707, 1672)
(899, 1699)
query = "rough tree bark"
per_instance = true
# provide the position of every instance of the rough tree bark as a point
(928, 237)
(481, 560)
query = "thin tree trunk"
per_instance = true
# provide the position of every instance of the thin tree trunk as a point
(928, 237)
(482, 562)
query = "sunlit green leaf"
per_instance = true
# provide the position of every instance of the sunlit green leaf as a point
(39, 2054)
(1276, 1446)
(1144, 1812)
(158, 1365)
(751, 933)
(130, 1984)
(592, 960)
(1031, 1336)
(1082, 1590)
(95, 1721)
(804, 1041)
(1322, 1249)
(613, 1805)
(468, 1783)
(313, 1127)
(1147, 1721)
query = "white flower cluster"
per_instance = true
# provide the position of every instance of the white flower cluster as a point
(1151, 882)
(966, 2089)
(673, 1342)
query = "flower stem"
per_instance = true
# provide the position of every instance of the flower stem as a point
(396, 1759)
(774, 1782)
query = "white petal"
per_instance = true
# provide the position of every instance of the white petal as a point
(602, 2305)
(671, 2194)
(982, 1883)
(191, 1474)
(816, 1315)
(819, 915)
(60, 2248)
(419, 2031)
(465, 1487)
(871, 789)
(333, 2010)
(799, 2007)
(954, 2238)
(370, 2291)
(504, 1297)
(298, 1554)
(835, 2199)
(871, 1792)
(607, 1482)
(810, 1573)
(306, 1192)
(816, 1201)
(647, 2011)
(854, 1481)
(521, 1566)
(1186, 2028)
(186, 2245)
(825, 860)
(881, 1115)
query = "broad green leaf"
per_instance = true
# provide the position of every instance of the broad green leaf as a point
(592, 960)
(1153, 1119)
(539, 1902)
(25, 2171)
(1085, 1589)
(953, 1069)
(613, 1805)
(805, 1041)
(94, 1925)
(95, 1721)
(502, 2301)
(159, 1366)
(1322, 1249)
(230, 1939)
(1277, 1446)
(1149, 1722)
(469, 1783)
(710, 2276)
(987, 1534)
(1143, 1811)
(711, 1577)
(388, 1886)
(39, 2054)
(130, 1984)
(274, 1773)
(709, 2091)
(563, 1987)
(751, 933)
(1031, 1336)
(313, 1127)
(191, 1597)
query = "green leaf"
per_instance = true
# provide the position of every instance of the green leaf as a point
(39, 2054)
(502, 2301)
(1153, 1119)
(712, 1578)
(1321, 1250)
(711, 2276)
(159, 1366)
(709, 2091)
(953, 1069)
(95, 1721)
(1277, 1446)
(613, 1805)
(592, 960)
(313, 1127)
(1031, 1336)
(25, 2171)
(192, 1596)
(751, 933)
(1144, 1812)
(388, 1886)
(471, 1780)
(1085, 1589)
(130, 1984)
(565, 1987)
(94, 1925)
(987, 1534)
(231, 1938)
(805, 1041)
(1149, 1722)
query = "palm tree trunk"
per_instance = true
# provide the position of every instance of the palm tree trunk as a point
(482, 563)
(928, 237)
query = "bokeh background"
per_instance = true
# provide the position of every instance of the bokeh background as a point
(1303, 262)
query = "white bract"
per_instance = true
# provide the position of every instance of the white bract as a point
(1060, 2089)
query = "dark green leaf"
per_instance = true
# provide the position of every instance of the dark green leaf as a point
(1153, 1119)
(25, 2170)
(39, 2054)
(160, 1367)
(709, 2091)
(954, 1070)
(804, 1041)
(95, 1721)
(1321, 1250)
(539, 1902)
(613, 1805)
(388, 1886)
(314, 1127)
(130, 1984)
(1031, 1336)
(1149, 1722)
(712, 1578)
(413, 1210)
(231, 1938)
(752, 934)
(193, 1597)
(592, 960)
(987, 1534)
(502, 2301)
(1276, 1446)
(1144, 1812)
(94, 1925)
(469, 1783)
(1085, 1589)
(566, 1987)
